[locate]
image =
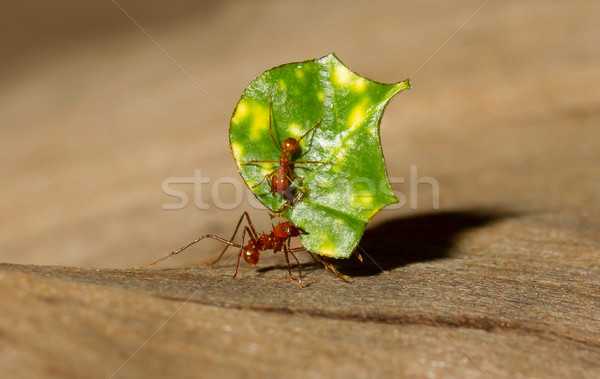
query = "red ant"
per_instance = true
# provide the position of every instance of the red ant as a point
(279, 179)
(278, 240)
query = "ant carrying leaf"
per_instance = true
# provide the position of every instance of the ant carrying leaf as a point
(278, 240)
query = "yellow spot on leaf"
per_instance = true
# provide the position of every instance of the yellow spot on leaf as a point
(321, 96)
(342, 76)
(299, 72)
(365, 199)
(295, 130)
(357, 116)
(327, 249)
(240, 112)
(237, 151)
(260, 121)
(359, 85)
(362, 200)
(282, 85)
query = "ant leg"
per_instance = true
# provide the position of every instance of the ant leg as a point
(309, 130)
(299, 265)
(245, 214)
(328, 266)
(298, 249)
(284, 208)
(246, 230)
(305, 168)
(264, 177)
(258, 161)
(269, 175)
(313, 257)
(175, 252)
(291, 200)
(318, 262)
(295, 185)
(270, 124)
(289, 266)
(301, 162)
(299, 270)
(291, 177)
(300, 196)
(251, 230)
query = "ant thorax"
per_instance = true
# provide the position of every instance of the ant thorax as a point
(266, 241)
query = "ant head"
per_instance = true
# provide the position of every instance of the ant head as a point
(251, 256)
(290, 145)
(285, 230)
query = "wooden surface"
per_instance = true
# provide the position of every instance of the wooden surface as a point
(503, 280)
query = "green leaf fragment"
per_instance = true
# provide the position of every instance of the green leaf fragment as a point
(344, 193)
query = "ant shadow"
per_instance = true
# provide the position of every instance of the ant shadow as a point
(403, 241)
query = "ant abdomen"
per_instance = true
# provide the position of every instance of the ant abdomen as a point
(251, 256)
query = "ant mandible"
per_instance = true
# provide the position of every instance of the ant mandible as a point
(278, 240)
(280, 179)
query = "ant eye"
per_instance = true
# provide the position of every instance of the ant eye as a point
(284, 229)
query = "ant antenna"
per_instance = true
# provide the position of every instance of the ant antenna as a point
(271, 123)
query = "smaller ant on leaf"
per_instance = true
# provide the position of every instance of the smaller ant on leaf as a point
(282, 177)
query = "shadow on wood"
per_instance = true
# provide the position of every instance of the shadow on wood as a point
(407, 240)
(414, 239)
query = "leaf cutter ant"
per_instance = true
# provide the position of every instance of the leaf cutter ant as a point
(280, 179)
(278, 240)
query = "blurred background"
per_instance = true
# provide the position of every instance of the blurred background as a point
(100, 102)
